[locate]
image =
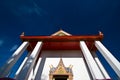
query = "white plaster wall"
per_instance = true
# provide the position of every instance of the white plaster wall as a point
(72, 57)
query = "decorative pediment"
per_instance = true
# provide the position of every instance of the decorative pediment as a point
(61, 72)
(61, 69)
(61, 33)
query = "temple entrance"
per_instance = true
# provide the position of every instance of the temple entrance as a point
(60, 77)
(60, 72)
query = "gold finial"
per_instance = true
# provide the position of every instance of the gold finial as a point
(61, 61)
(100, 33)
(22, 34)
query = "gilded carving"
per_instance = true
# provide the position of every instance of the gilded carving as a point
(61, 71)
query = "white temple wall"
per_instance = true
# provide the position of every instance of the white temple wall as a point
(73, 57)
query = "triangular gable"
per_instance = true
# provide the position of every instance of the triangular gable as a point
(61, 33)
(60, 68)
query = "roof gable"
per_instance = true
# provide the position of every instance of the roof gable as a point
(61, 33)
(60, 68)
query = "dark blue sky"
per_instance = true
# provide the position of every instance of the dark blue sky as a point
(44, 17)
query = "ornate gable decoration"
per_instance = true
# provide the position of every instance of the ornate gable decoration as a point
(61, 33)
(61, 69)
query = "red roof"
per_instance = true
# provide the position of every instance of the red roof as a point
(62, 42)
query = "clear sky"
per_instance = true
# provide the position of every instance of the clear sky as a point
(44, 17)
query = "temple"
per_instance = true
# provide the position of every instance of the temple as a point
(61, 56)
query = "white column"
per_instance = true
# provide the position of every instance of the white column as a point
(30, 75)
(19, 69)
(95, 71)
(104, 72)
(13, 59)
(21, 66)
(114, 63)
(102, 68)
(31, 72)
(24, 74)
(36, 68)
(40, 69)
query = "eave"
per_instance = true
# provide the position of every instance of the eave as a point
(61, 38)
(62, 42)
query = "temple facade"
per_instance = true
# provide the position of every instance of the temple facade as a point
(61, 56)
